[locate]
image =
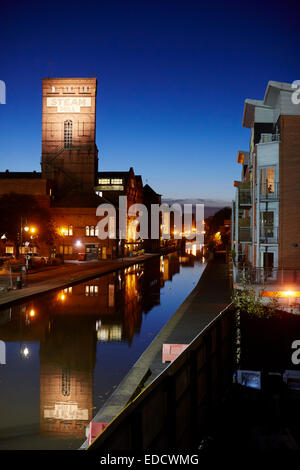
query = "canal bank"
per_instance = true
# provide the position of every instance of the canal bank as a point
(69, 274)
(211, 295)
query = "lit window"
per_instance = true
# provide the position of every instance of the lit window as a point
(91, 290)
(70, 230)
(87, 231)
(92, 231)
(85, 89)
(53, 89)
(67, 250)
(104, 181)
(9, 249)
(116, 181)
(99, 193)
(96, 231)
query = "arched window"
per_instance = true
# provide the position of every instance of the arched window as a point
(65, 382)
(68, 134)
(87, 231)
(92, 231)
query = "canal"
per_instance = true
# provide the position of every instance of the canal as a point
(67, 351)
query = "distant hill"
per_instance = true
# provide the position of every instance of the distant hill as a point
(210, 206)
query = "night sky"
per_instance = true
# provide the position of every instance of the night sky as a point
(172, 79)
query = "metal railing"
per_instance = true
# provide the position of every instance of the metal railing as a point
(245, 234)
(268, 191)
(263, 276)
(174, 411)
(12, 277)
(245, 198)
(268, 234)
(265, 138)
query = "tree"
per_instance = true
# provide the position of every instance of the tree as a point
(15, 206)
(215, 234)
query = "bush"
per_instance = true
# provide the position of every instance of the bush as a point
(245, 300)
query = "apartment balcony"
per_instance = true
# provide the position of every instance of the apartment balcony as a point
(266, 138)
(268, 234)
(269, 192)
(245, 231)
(245, 199)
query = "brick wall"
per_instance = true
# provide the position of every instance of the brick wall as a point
(289, 178)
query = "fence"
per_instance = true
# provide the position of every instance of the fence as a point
(175, 409)
(262, 276)
(12, 277)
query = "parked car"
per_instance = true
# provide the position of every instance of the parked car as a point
(6, 256)
(35, 259)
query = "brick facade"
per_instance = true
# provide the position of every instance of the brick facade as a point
(289, 177)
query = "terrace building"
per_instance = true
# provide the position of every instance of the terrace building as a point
(266, 209)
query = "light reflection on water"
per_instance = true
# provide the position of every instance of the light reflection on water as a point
(68, 350)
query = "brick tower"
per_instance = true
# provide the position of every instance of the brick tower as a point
(69, 151)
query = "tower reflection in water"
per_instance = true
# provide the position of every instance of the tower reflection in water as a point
(68, 325)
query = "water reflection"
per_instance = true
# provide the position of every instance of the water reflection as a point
(69, 326)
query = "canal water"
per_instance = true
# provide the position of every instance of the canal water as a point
(67, 351)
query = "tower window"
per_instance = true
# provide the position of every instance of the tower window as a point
(68, 125)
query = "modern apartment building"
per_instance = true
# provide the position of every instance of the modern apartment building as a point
(266, 210)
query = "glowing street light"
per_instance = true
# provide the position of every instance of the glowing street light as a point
(24, 351)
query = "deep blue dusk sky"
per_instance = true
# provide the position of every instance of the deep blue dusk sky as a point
(172, 79)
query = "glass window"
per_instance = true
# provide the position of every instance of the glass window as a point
(116, 181)
(87, 231)
(96, 231)
(70, 230)
(267, 180)
(53, 89)
(267, 218)
(92, 231)
(104, 181)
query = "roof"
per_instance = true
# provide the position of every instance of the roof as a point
(268, 103)
(20, 174)
(243, 157)
(150, 190)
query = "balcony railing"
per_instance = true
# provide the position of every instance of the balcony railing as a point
(265, 138)
(245, 197)
(269, 191)
(245, 234)
(263, 276)
(268, 234)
